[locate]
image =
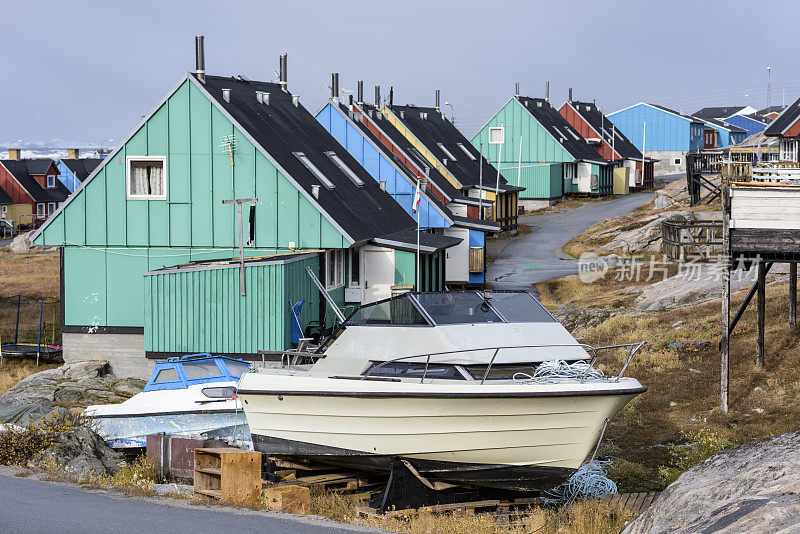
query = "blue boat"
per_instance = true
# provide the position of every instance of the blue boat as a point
(191, 396)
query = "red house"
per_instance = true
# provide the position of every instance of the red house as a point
(608, 141)
(34, 188)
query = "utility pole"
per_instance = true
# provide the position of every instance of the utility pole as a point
(769, 87)
(239, 202)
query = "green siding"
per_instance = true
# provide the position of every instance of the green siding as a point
(538, 147)
(110, 240)
(541, 181)
(203, 310)
(404, 267)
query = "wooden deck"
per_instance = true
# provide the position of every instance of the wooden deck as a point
(636, 502)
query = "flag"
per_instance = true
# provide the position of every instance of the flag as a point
(760, 157)
(417, 198)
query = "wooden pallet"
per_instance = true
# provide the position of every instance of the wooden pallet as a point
(494, 506)
(635, 502)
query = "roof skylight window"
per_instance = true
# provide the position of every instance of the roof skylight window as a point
(469, 154)
(446, 152)
(344, 168)
(314, 170)
(573, 134)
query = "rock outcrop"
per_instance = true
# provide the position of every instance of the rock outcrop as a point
(79, 452)
(646, 238)
(22, 243)
(77, 384)
(575, 319)
(751, 488)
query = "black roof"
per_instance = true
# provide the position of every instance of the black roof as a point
(5, 198)
(412, 153)
(431, 128)
(83, 167)
(717, 112)
(601, 124)
(723, 124)
(558, 127)
(24, 171)
(478, 224)
(282, 129)
(678, 113)
(771, 109)
(784, 120)
(428, 242)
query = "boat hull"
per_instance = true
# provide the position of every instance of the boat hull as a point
(520, 439)
(131, 431)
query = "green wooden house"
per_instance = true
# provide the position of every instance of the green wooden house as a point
(543, 153)
(157, 201)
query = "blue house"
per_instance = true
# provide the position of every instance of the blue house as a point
(661, 133)
(74, 171)
(373, 141)
(726, 133)
(752, 124)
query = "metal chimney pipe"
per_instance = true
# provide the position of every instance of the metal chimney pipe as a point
(283, 72)
(378, 96)
(200, 58)
(296, 100)
(437, 101)
(226, 95)
(360, 93)
(570, 94)
(516, 89)
(547, 91)
(391, 96)
(335, 85)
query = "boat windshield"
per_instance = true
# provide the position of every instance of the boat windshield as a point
(397, 311)
(519, 307)
(237, 369)
(202, 369)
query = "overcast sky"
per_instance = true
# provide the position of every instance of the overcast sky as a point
(87, 71)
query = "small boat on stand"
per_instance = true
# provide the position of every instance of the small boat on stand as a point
(191, 396)
(469, 388)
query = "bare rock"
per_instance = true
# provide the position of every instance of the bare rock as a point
(66, 385)
(646, 238)
(86, 369)
(128, 387)
(22, 243)
(575, 319)
(750, 488)
(81, 452)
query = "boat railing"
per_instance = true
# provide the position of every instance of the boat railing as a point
(632, 350)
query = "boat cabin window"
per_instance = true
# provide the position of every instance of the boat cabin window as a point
(414, 370)
(500, 371)
(237, 369)
(457, 308)
(395, 311)
(203, 369)
(166, 375)
(516, 307)
(219, 393)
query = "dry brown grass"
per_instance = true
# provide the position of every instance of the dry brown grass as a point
(13, 370)
(32, 274)
(684, 384)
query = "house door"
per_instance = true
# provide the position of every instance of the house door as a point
(378, 274)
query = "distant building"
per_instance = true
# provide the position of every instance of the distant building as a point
(786, 127)
(34, 188)
(609, 142)
(545, 153)
(73, 170)
(719, 133)
(661, 133)
(771, 112)
(744, 117)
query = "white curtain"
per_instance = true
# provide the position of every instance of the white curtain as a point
(139, 185)
(147, 179)
(156, 183)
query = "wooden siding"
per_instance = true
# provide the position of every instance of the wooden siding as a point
(11, 186)
(405, 265)
(543, 181)
(538, 147)
(765, 208)
(203, 311)
(585, 129)
(665, 131)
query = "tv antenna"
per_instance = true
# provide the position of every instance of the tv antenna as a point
(229, 145)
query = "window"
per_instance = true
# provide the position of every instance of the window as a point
(314, 170)
(344, 168)
(457, 308)
(147, 178)
(446, 152)
(51, 207)
(166, 375)
(414, 370)
(223, 392)
(496, 135)
(251, 227)
(4, 211)
(469, 154)
(573, 134)
(788, 150)
(51, 180)
(40, 210)
(334, 269)
(355, 267)
(195, 370)
(677, 161)
(237, 369)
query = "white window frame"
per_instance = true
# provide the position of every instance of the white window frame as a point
(788, 150)
(51, 208)
(344, 168)
(469, 154)
(49, 178)
(132, 159)
(446, 152)
(496, 135)
(350, 282)
(41, 210)
(337, 257)
(3, 211)
(676, 161)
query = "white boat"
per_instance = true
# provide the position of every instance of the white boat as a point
(447, 382)
(192, 396)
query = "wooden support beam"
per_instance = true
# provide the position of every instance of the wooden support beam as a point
(746, 302)
(762, 284)
(793, 294)
(724, 344)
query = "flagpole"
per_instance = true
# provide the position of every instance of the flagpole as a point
(480, 185)
(519, 166)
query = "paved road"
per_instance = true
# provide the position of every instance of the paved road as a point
(537, 257)
(31, 507)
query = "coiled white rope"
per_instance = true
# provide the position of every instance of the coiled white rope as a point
(559, 369)
(588, 482)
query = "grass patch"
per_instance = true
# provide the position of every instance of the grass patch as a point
(32, 274)
(14, 370)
